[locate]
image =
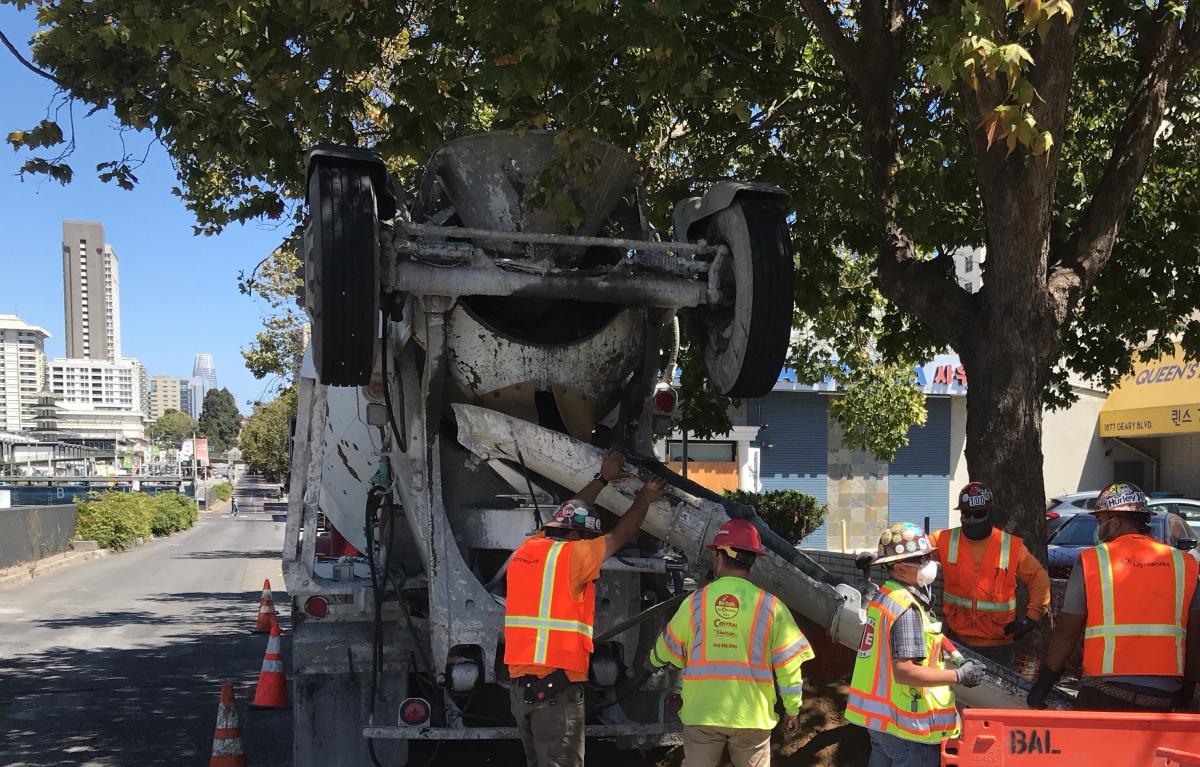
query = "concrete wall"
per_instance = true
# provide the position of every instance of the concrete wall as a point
(28, 533)
(1179, 466)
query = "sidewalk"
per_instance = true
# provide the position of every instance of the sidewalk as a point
(82, 551)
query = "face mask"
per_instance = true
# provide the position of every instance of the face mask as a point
(1106, 532)
(927, 574)
(977, 531)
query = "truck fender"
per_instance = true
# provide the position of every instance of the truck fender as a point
(691, 211)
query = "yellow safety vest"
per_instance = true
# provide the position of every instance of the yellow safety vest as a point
(877, 701)
(734, 642)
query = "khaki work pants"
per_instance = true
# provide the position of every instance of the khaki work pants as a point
(703, 746)
(551, 730)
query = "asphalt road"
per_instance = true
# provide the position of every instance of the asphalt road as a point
(119, 662)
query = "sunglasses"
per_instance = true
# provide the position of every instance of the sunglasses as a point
(974, 513)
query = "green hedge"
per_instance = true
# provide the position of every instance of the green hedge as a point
(790, 513)
(221, 492)
(115, 520)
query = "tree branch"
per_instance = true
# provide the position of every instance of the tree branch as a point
(28, 64)
(1163, 62)
(846, 52)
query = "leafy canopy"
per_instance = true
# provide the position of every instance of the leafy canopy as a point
(220, 420)
(172, 428)
(264, 438)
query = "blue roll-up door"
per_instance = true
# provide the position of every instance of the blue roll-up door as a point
(919, 477)
(794, 440)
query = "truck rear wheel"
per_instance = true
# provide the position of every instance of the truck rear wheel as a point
(746, 342)
(341, 265)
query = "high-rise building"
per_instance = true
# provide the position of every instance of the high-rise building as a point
(143, 381)
(91, 293)
(98, 397)
(203, 380)
(185, 396)
(22, 372)
(165, 395)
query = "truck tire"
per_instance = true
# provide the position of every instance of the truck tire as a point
(340, 270)
(746, 342)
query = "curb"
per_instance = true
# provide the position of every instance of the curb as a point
(23, 573)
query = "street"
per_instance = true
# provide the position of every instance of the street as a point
(120, 661)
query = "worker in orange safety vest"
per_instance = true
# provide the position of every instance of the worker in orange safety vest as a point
(981, 565)
(1135, 602)
(548, 616)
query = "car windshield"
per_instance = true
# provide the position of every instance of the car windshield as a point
(1080, 530)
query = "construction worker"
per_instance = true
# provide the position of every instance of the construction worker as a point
(548, 616)
(981, 565)
(900, 689)
(734, 642)
(1135, 602)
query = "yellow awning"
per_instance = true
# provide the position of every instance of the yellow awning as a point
(1160, 397)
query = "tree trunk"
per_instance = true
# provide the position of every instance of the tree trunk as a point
(1006, 373)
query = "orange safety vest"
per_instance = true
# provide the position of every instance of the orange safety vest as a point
(544, 624)
(979, 601)
(1138, 594)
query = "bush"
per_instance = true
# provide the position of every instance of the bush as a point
(173, 512)
(220, 492)
(790, 513)
(115, 520)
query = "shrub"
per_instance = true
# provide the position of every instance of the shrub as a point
(220, 492)
(173, 512)
(114, 520)
(790, 513)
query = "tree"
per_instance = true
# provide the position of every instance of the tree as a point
(220, 420)
(905, 132)
(278, 348)
(265, 437)
(172, 428)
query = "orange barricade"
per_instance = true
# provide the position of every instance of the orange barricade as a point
(1008, 737)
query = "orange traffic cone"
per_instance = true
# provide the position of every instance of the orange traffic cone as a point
(227, 739)
(271, 691)
(266, 611)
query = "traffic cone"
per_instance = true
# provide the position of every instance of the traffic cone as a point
(227, 739)
(271, 691)
(266, 611)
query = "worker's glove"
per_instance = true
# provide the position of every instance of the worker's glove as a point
(1020, 627)
(971, 673)
(1042, 687)
(791, 725)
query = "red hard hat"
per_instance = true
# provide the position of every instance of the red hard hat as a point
(738, 534)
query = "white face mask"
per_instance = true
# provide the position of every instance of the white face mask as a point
(927, 574)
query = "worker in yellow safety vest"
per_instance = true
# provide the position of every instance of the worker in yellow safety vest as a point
(1136, 604)
(549, 613)
(735, 643)
(900, 690)
(981, 565)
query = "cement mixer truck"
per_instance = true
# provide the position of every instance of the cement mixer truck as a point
(477, 343)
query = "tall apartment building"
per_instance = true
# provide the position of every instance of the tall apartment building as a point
(203, 380)
(99, 398)
(22, 372)
(91, 293)
(165, 395)
(143, 380)
(185, 396)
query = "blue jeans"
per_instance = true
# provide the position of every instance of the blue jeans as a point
(890, 751)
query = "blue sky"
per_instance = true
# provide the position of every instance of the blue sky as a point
(179, 292)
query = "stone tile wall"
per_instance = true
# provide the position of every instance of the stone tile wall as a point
(857, 493)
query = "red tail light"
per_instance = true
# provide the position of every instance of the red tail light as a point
(1052, 515)
(414, 711)
(317, 607)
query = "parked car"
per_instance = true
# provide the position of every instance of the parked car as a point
(1079, 532)
(1063, 507)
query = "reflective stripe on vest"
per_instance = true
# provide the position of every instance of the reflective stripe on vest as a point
(1110, 628)
(876, 701)
(699, 667)
(979, 599)
(544, 624)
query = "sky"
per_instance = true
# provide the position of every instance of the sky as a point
(179, 293)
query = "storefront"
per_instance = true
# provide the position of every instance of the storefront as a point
(1156, 412)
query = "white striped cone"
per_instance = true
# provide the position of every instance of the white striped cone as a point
(271, 691)
(266, 611)
(227, 739)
